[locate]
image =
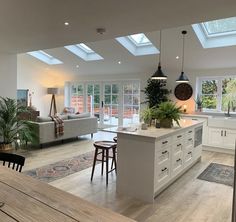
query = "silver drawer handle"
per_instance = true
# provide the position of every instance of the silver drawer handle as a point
(164, 169)
(164, 152)
(190, 139)
(165, 142)
(179, 136)
(190, 131)
(179, 144)
(189, 152)
(178, 160)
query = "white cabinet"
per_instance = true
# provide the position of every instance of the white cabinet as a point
(222, 138)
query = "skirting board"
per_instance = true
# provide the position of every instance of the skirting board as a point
(218, 149)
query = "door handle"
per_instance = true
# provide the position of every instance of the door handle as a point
(102, 104)
(225, 132)
(221, 132)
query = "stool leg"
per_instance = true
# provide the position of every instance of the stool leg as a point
(114, 158)
(102, 161)
(94, 162)
(107, 162)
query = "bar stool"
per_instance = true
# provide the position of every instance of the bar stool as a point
(103, 147)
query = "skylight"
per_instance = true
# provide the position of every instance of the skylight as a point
(138, 44)
(45, 57)
(139, 39)
(83, 51)
(216, 33)
(222, 26)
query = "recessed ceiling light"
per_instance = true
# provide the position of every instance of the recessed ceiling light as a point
(77, 66)
(119, 62)
(177, 57)
(66, 23)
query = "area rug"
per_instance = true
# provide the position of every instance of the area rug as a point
(62, 168)
(218, 173)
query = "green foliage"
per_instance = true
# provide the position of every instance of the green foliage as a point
(11, 127)
(156, 92)
(147, 115)
(168, 110)
(229, 97)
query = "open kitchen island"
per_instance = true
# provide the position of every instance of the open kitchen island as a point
(150, 160)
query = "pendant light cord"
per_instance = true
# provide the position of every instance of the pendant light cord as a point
(160, 51)
(183, 32)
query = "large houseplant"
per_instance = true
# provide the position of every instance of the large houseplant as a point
(13, 130)
(166, 113)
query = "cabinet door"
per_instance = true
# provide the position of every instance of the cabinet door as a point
(229, 138)
(215, 137)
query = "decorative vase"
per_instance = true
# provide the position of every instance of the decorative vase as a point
(166, 123)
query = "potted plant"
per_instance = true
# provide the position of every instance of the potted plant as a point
(147, 115)
(198, 102)
(13, 130)
(166, 113)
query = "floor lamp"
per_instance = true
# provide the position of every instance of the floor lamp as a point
(53, 107)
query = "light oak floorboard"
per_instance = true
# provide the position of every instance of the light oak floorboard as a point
(187, 200)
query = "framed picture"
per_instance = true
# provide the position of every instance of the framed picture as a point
(22, 97)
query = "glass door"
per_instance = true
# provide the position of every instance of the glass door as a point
(77, 97)
(110, 104)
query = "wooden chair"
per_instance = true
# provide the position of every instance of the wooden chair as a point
(14, 161)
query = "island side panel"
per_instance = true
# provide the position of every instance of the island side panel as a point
(135, 166)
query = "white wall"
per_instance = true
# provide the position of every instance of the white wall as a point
(37, 77)
(8, 73)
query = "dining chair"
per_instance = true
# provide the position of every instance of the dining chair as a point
(14, 161)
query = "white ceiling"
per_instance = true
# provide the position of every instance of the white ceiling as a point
(27, 25)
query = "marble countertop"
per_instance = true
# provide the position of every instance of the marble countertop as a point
(153, 132)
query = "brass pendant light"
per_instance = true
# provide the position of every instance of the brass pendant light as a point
(183, 78)
(159, 74)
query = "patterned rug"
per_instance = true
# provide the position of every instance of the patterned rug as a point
(62, 168)
(218, 173)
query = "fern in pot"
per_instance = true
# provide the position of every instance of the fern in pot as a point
(166, 113)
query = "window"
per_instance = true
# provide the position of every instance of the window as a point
(217, 93)
(45, 57)
(138, 44)
(77, 97)
(216, 33)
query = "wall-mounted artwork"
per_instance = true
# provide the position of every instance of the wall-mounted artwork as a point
(22, 97)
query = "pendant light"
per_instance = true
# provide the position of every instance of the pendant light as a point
(183, 77)
(159, 74)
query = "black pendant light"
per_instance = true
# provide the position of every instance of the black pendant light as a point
(159, 74)
(183, 77)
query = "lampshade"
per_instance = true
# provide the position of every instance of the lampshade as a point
(159, 74)
(52, 91)
(182, 78)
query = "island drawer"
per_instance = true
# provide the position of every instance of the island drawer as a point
(177, 163)
(177, 147)
(178, 137)
(162, 174)
(163, 143)
(188, 157)
(162, 155)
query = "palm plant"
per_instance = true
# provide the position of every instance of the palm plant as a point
(12, 128)
(166, 113)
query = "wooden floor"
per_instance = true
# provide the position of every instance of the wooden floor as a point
(187, 200)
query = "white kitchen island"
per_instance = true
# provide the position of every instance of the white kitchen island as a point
(150, 160)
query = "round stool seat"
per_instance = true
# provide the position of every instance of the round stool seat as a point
(104, 144)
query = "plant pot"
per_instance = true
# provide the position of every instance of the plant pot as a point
(166, 123)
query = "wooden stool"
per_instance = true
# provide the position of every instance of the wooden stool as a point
(103, 147)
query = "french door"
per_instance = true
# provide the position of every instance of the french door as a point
(113, 103)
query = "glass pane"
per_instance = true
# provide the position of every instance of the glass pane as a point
(90, 90)
(128, 100)
(107, 89)
(229, 94)
(80, 89)
(209, 102)
(136, 100)
(209, 87)
(135, 88)
(128, 111)
(97, 89)
(128, 89)
(115, 89)
(114, 99)
(107, 99)
(97, 99)
(73, 89)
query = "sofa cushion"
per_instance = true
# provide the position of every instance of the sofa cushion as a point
(42, 119)
(78, 116)
(63, 117)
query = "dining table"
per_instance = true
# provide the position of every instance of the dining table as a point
(25, 199)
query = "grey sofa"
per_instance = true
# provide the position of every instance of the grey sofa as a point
(72, 128)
